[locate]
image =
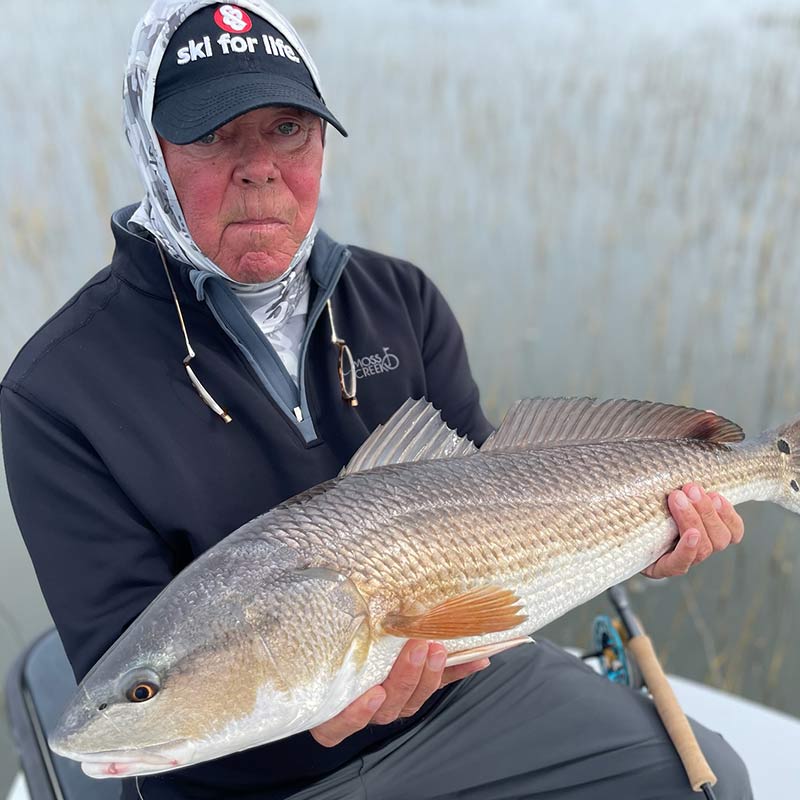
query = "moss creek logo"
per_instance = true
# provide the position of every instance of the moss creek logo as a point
(376, 364)
(233, 19)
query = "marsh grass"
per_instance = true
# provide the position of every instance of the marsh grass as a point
(607, 196)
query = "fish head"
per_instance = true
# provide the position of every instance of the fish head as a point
(787, 441)
(219, 662)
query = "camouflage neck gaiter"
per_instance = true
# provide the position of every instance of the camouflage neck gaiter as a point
(160, 213)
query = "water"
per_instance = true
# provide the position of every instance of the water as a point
(605, 191)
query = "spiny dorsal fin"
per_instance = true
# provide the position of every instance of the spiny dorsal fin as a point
(415, 432)
(548, 421)
(487, 609)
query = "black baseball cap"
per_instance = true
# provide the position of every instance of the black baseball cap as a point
(222, 62)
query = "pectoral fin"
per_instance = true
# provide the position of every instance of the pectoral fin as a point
(474, 653)
(487, 609)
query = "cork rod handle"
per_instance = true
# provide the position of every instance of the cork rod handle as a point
(678, 728)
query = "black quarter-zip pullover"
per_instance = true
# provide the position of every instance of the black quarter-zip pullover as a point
(120, 475)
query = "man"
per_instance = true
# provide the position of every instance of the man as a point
(206, 375)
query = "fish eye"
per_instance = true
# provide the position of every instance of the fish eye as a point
(783, 446)
(141, 692)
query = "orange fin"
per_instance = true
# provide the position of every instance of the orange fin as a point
(487, 650)
(487, 609)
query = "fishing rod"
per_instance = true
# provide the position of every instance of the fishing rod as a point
(700, 774)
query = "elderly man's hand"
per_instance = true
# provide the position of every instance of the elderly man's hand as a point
(706, 523)
(418, 672)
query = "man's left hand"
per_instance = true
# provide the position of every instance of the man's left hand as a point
(706, 523)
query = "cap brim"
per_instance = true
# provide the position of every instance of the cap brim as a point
(185, 117)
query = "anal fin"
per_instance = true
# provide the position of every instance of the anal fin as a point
(487, 609)
(487, 650)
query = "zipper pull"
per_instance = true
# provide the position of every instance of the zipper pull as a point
(298, 414)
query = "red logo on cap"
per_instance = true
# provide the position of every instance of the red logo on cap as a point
(233, 19)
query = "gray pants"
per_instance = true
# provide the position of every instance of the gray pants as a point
(537, 724)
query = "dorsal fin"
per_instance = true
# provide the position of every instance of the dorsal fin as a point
(548, 421)
(415, 432)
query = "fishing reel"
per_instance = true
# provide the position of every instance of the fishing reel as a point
(608, 647)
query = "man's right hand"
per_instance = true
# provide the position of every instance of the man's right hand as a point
(417, 673)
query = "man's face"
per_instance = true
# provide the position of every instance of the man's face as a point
(249, 190)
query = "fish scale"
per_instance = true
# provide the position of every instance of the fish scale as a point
(506, 503)
(544, 489)
(303, 609)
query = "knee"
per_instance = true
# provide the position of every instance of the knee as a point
(733, 782)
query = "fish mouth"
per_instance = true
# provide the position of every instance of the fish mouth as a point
(127, 763)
